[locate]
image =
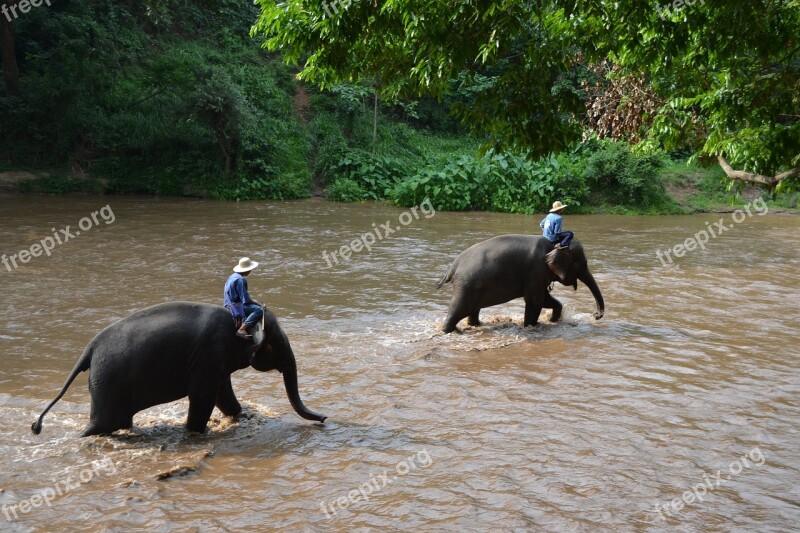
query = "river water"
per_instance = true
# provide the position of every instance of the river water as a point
(688, 383)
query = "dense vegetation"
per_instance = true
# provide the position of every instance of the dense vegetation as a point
(173, 97)
(720, 78)
(163, 98)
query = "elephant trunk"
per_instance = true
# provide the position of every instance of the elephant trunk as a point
(290, 382)
(588, 280)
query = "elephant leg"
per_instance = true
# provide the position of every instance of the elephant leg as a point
(465, 303)
(474, 318)
(532, 313)
(454, 316)
(201, 405)
(226, 399)
(105, 415)
(533, 305)
(555, 305)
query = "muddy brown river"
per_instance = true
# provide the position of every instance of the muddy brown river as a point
(678, 411)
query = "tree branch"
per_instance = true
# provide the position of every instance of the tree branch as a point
(755, 178)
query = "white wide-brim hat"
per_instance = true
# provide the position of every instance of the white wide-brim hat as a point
(245, 265)
(557, 206)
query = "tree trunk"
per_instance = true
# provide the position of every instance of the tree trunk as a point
(755, 178)
(8, 53)
(219, 132)
(375, 122)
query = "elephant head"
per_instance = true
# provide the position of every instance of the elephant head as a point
(570, 265)
(275, 353)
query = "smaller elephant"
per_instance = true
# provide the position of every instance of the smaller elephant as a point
(505, 267)
(169, 351)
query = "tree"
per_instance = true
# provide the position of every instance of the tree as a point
(512, 55)
(8, 52)
(725, 73)
(219, 103)
(728, 73)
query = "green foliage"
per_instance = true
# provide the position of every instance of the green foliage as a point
(59, 184)
(171, 97)
(344, 190)
(727, 72)
(411, 48)
(495, 182)
(375, 176)
(166, 97)
(593, 174)
(625, 179)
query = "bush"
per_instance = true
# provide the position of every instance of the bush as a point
(621, 178)
(345, 190)
(495, 182)
(375, 176)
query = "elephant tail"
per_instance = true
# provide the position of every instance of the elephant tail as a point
(82, 365)
(448, 277)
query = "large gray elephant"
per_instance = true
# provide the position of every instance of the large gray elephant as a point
(512, 266)
(169, 351)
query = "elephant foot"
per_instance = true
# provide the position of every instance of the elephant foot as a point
(196, 428)
(98, 428)
(450, 326)
(229, 406)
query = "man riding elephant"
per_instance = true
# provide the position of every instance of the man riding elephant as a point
(552, 227)
(245, 311)
(552, 230)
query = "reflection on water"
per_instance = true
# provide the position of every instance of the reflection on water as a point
(578, 425)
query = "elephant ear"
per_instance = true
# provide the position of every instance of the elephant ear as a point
(259, 337)
(557, 261)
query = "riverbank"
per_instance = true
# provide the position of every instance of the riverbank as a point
(708, 190)
(693, 189)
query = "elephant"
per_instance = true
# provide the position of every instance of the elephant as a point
(505, 267)
(169, 351)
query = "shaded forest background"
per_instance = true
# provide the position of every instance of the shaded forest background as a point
(176, 98)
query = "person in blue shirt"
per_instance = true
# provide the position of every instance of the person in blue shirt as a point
(552, 227)
(245, 311)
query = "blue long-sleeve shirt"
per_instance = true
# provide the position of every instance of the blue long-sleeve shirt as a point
(551, 224)
(236, 295)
